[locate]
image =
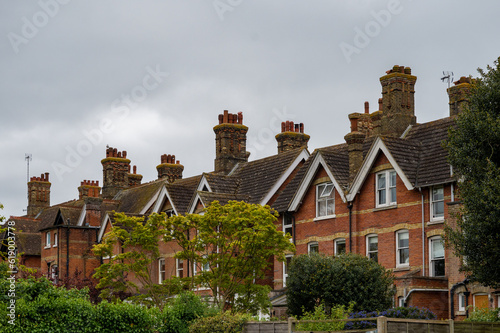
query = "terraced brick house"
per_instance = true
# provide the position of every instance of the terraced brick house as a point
(386, 193)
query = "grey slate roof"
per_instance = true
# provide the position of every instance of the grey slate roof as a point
(223, 198)
(134, 199)
(182, 191)
(256, 178)
(28, 239)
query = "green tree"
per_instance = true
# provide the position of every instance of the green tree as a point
(315, 279)
(132, 246)
(231, 246)
(474, 153)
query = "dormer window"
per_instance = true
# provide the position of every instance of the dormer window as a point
(386, 188)
(325, 199)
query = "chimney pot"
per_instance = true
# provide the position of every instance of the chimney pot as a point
(291, 126)
(367, 107)
(225, 118)
(135, 169)
(287, 126)
(283, 129)
(221, 119)
(178, 162)
(240, 118)
(124, 154)
(115, 152)
(380, 104)
(301, 127)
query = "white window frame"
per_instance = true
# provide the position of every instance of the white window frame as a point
(388, 188)
(398, 248)
(461, 302)
(288, 224)
(432, 202)
(431, 255)
(312, 245)
(179, 269)
(285, 268)
(368, 251)
(47, 239)
(401, 301)
(328, 199)
(336, 243)
(54, 273)
(161, 273)
(195, 268)
(55, 239)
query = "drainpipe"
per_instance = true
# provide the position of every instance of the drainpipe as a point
(67, 248)
(349, 206)
(423, 231)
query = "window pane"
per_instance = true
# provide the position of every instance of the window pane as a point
(289, 230)
(381, 197)
(330, 207)
(374, 256)
(340, 247)
(438, 267)
(373, 243)
(403, 239)
(321, 208)
(381, 181)
(326, 190)
(393, 178)
(313, 248)
(438, 209)
(393, 194)
(404, 256)
(437, 249)
(437, 193)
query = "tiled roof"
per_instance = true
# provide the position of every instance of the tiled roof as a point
(406, 153)
(221, 183)
(337, 159)
(182, 191)
(134, 199)
(434, 167)
(258, 177)
(223, 198)
(28, 239)
(285, 198)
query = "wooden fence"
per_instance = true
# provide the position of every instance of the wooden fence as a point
(384, 325)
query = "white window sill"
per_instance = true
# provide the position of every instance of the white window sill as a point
(436, 221)
(402, 268)
(326, 217)
(47, 247)
(386, 207)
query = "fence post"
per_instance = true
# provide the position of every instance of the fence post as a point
(451, 325)
(381, 324)
(290, 323)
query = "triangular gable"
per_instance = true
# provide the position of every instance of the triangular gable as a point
(83, 213)
(104, 225)
(194, 203)
(377, 146)
(309, 177)
(163, 197)
(304, 155)
(203, 185)
(59, 218)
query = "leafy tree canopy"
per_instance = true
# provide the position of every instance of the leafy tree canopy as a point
(474, 153)
(231, 247)
(314, 279)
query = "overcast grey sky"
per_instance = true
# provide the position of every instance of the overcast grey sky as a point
(150, 77)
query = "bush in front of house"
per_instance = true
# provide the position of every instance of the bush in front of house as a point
(220, 323)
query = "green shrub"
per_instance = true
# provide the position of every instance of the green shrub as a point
(316, 278)
(484, 315)
(319, 313)
(221, 323)
(122, 317)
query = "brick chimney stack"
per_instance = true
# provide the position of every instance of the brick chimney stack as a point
(291, 137)
(361, 127)
(38, 194)
(134, 178)
(115, 172)
(459, 95)
(89, 188)
(169, 168)
(230, 142)
(398, 102)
